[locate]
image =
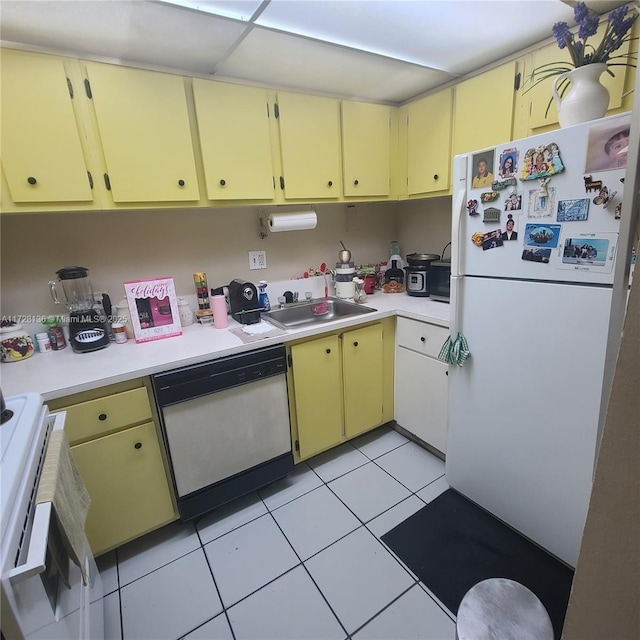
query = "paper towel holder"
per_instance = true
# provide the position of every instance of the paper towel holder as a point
(263, 219)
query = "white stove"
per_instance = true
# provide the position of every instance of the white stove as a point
(33, 603)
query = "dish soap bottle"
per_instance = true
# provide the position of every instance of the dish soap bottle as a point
(263, 298)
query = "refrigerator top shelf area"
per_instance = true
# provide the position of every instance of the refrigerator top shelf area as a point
(543, 208)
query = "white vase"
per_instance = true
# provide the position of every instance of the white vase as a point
(586, 98)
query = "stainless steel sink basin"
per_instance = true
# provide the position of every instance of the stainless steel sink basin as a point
(303, 314)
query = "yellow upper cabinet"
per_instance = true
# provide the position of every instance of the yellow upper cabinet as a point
(233, 126)
(366, 148)
(540, 95)
(429, 143)
(144, 128)
(483, 114)
(42, 157)
(310, 144)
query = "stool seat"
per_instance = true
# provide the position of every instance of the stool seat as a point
(501, 609)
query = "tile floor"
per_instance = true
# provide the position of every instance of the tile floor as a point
(301, 559)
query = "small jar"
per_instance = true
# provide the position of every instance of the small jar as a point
(185, 312)
(44, 344)
(125, 316)
(15, 344)
(119, 331)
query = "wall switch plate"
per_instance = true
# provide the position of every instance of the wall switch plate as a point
(257, 259)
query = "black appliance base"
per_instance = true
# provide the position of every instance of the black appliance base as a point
(205, 500)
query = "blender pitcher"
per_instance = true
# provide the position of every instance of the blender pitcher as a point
(87, 331)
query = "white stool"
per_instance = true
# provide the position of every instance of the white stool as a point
(501, 609)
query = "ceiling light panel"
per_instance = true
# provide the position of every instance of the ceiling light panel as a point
(238, 9)
(128, 31)
(297, 63)
(453, 35)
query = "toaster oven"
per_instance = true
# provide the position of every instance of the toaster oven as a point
(440, 280)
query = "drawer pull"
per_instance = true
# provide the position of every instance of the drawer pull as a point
(138, 445)
(330, 183)
(355, 344)
(31, 180)
(223, 182)
(102, 417)
(423, 339)
(328, 350)
(181, 183)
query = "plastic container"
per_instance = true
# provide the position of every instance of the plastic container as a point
(120, 332)
(263, 298)
(44, 344)
(184, 311)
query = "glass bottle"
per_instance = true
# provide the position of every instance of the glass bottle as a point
(263, 298)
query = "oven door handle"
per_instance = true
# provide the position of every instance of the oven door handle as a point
(37, 553)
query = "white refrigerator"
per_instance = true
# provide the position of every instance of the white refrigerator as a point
(534, 238)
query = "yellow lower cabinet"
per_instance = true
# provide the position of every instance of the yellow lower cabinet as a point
(125, 477)
(317, 379)
(362, 362)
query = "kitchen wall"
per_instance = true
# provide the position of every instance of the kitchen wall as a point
(424, 226)
(117, 246)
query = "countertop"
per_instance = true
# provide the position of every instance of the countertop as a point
(61, 373)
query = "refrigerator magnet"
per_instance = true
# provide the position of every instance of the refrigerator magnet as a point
(542, 235)
(573, 210)
(510, 232)
(608, 144)
(540, 205)
(489, 196)
(472, 208)
(536, 254)
(498, 185)
(542, 162)
(592, 185)
(513, 202)
(589, 252)
(482, 169)
(508, 163)
(492, 240)
(618, 212)
(477, 238)
(491, 214)
(604, 197)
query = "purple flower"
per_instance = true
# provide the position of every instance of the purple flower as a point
(580, 12)
(617, 15)
(621, 28)
(562, 34)
(588, 27)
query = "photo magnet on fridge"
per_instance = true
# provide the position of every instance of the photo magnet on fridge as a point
(540, 205)
(510, 233)
(513, 202)
(573, 210)
(492, 240)
(589, 252)
(542, 162)
(542, 235)
(608, 144)
(483, 169)
(508, 165)
(536, 254)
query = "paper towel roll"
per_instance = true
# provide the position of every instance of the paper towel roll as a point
(293, 221)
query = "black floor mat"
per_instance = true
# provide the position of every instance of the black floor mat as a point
(451, 544)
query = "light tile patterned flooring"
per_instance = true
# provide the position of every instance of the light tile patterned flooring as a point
(301, 559)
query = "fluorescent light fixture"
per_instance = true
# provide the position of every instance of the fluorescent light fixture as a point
(237, 9)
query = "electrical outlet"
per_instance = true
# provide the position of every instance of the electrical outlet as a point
(257, 259)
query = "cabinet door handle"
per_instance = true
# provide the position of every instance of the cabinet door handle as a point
(423, 339)
(328, 350)
(138, 445)
(355, 182)
(223, 182)
(355, 344)
(330, 183)
(102, 417)
(31, 180)
(181, 183)
(435, 176)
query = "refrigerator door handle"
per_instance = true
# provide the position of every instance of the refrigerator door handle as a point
(454, 305)
(460, 166)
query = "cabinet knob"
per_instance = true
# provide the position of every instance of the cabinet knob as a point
(223, 182)
(330, 183)
(355, 344)
(446, 373)
(181, 183)
(435, 176)
(355, 182)
(423, 339)
(31, 180)
(102, 417)
(328, 350)
(138, 445)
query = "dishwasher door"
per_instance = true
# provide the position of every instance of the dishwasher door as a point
(222, 434)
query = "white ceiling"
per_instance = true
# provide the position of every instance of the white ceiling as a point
(386, 51)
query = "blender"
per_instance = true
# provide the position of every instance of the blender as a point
(345, 272)
(87, 328)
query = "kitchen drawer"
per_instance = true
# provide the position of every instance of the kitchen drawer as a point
(88, 420)
(420, 336)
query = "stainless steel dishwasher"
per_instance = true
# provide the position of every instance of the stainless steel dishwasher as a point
(226, 427)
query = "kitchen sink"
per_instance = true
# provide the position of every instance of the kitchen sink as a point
(310, 312)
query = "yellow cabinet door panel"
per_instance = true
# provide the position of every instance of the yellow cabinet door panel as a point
(42, 157)
(310, 144)
(144, 129)
(91, 419)
(366, 148)
(233, 126)
(541, 94)
(483, 112)
(318, 392)
(362, 364)
(125, 477)
(429, 143)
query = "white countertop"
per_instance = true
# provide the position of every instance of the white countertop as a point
(62, 373)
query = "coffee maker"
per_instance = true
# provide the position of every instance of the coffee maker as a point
(87, 327)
